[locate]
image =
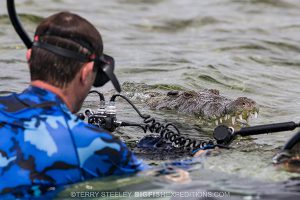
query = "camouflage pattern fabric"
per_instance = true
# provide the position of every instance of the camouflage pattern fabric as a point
(43, 143)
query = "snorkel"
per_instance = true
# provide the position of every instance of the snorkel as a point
(104, 62)
(16, 23)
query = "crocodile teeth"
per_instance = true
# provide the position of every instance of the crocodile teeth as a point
(233, 120)
(221, 120)
(217, 122)
(255, 115)
(241, 117)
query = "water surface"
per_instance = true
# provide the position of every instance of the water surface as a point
(241, 47)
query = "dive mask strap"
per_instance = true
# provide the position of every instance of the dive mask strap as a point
(61, 51)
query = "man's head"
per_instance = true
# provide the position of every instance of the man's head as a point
(68, 31)
(67, 53)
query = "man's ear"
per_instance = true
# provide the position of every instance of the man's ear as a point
(28, 55)
(87, 73)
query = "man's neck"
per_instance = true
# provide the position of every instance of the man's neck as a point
(58, 91)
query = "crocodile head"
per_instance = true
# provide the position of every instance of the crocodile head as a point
(240, 110)
(209, 105)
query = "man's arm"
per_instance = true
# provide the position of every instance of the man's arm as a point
(102, 154)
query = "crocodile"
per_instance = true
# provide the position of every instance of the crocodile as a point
(207, 105)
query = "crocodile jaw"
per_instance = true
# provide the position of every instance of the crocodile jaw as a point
(235, 119)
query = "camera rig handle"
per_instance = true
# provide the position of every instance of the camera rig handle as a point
(225, 135)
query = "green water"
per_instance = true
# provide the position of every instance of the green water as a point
(241, 47)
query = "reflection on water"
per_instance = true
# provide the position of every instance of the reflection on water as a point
(240, 47)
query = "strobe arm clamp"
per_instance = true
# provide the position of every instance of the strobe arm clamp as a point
(225, 135)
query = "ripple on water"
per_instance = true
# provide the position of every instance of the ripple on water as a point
(219, 80)
(275, 61)
(244, 47)
(12, 61)
(269, 3)
(172, 25)
(25, 18)
(290, 27)
(283, 46)
(144, 70)
(140, 1)
(3, 78)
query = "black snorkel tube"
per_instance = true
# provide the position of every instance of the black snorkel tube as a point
(16, 23)
(105, 63)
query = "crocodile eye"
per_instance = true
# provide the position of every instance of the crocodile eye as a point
(188, 94)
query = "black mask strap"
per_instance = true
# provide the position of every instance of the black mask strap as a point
(61, 51)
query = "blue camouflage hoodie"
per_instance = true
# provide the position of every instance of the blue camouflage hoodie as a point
(43, 143)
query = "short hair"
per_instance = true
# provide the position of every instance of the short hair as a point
(66, 30)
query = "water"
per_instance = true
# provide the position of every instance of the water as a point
(241, 47)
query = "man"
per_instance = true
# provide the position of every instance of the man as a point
(42, 142)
